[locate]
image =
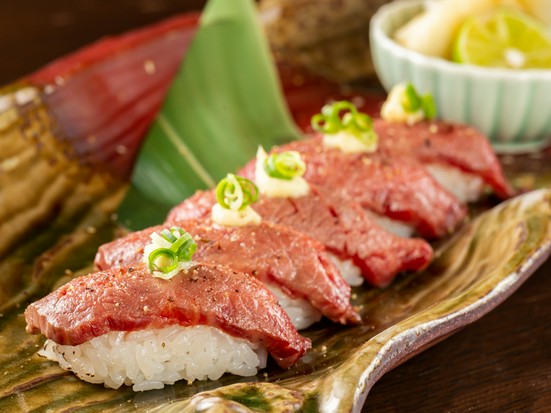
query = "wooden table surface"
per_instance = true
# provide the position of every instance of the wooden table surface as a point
(501, 363)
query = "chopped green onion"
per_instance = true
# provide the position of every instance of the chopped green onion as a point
(163, 260)
(236, 193)
(359, 124)
(182, 248)
(412, 102)
(284, 165)
(429, 107)
(185, 246)
(167, 235)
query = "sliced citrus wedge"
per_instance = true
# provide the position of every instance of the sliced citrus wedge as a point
(504, 38)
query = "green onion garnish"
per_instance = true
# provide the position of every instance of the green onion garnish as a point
(429, 107)
(169, 236)
(359, 124)
(182, 248)
(185, 246)
(284, 165)
(412, 102)
(236, 193)
(163, 260)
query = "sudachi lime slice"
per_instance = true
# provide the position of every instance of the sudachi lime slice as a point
(505, 38)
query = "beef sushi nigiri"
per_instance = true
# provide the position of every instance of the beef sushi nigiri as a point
(126, 326)
(293, 266)
(458, 156)
(398, 188)
(359, 245)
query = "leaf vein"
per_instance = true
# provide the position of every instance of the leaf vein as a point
(183, 149)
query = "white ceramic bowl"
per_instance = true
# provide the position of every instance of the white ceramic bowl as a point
(513, 107)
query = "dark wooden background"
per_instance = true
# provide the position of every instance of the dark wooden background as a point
(501, 363)
(33, 32)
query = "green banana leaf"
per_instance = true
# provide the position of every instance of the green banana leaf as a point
(224, 102)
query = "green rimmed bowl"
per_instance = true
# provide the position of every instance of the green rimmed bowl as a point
(512, 107)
